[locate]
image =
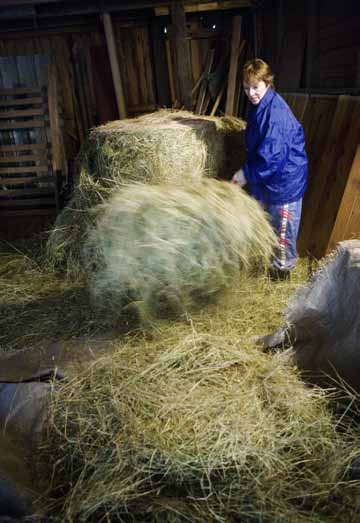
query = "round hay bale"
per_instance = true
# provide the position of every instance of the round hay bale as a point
(203, 431)
(166, 249)
(174, 147)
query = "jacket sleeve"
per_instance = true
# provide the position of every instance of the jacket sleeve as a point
(270, 155)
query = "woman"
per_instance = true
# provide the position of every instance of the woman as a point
(276, 165)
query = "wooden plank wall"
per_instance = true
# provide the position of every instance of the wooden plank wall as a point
(21, 53)
(134, 47)
(332, 130)
(209, 50)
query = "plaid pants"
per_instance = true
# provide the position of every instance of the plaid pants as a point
(285, 220)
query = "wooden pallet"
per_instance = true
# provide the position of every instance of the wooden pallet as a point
(30, 173)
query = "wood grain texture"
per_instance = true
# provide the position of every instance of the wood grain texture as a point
(347, 224)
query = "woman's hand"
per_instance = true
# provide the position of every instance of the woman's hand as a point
(239, 178)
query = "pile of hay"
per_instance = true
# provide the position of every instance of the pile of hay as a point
(166, 249)
(163, 147)
(202, 430)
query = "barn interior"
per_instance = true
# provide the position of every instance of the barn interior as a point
(212, 395)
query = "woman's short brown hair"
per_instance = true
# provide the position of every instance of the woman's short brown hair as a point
(257, 70)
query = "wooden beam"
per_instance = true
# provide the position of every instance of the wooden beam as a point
(24, 147)
(114, 63)
(182, 54)
(24, 158)
(22, 112)
(24, 169)
(27, 180)
(19, 90)
(28, 212)
(22, 101)
(32, 202)
(55, 130)
(234, 66)
(25, 192)
(198, 7)
(22, 125)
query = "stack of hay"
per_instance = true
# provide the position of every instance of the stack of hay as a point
(165, 147)
(204, 430)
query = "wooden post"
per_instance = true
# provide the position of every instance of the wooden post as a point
(114, 62)
(234, 65)
(55, 131)
(182, 54)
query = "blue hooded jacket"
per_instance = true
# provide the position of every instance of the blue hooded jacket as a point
(276, 165)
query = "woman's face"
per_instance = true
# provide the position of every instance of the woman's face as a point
(255, 90)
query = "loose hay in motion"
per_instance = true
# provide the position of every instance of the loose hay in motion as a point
(202, 430)
(164, 147)
(166, 249)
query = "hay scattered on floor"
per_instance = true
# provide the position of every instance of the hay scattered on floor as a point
(103, 454)
(37, 306)
(174, 147)
(167, 249)
(203, 430)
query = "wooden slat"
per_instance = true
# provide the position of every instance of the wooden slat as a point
(24, 169)
(114, 63)
(23, 101)
(25, 192)
(239, 92)
(24, 147)
(31, 202)
(21, 180)
(24, 158)
(299, 106)
(20, 90)
(347, 223)
(234, 66)
(334, 169)
(81, 82)
(204, 82)
(54, 120)
(20, 113)
(8, 213)
(23, 125)
(316, 122)
(218, 99)
(172, 83)
(184, 74)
